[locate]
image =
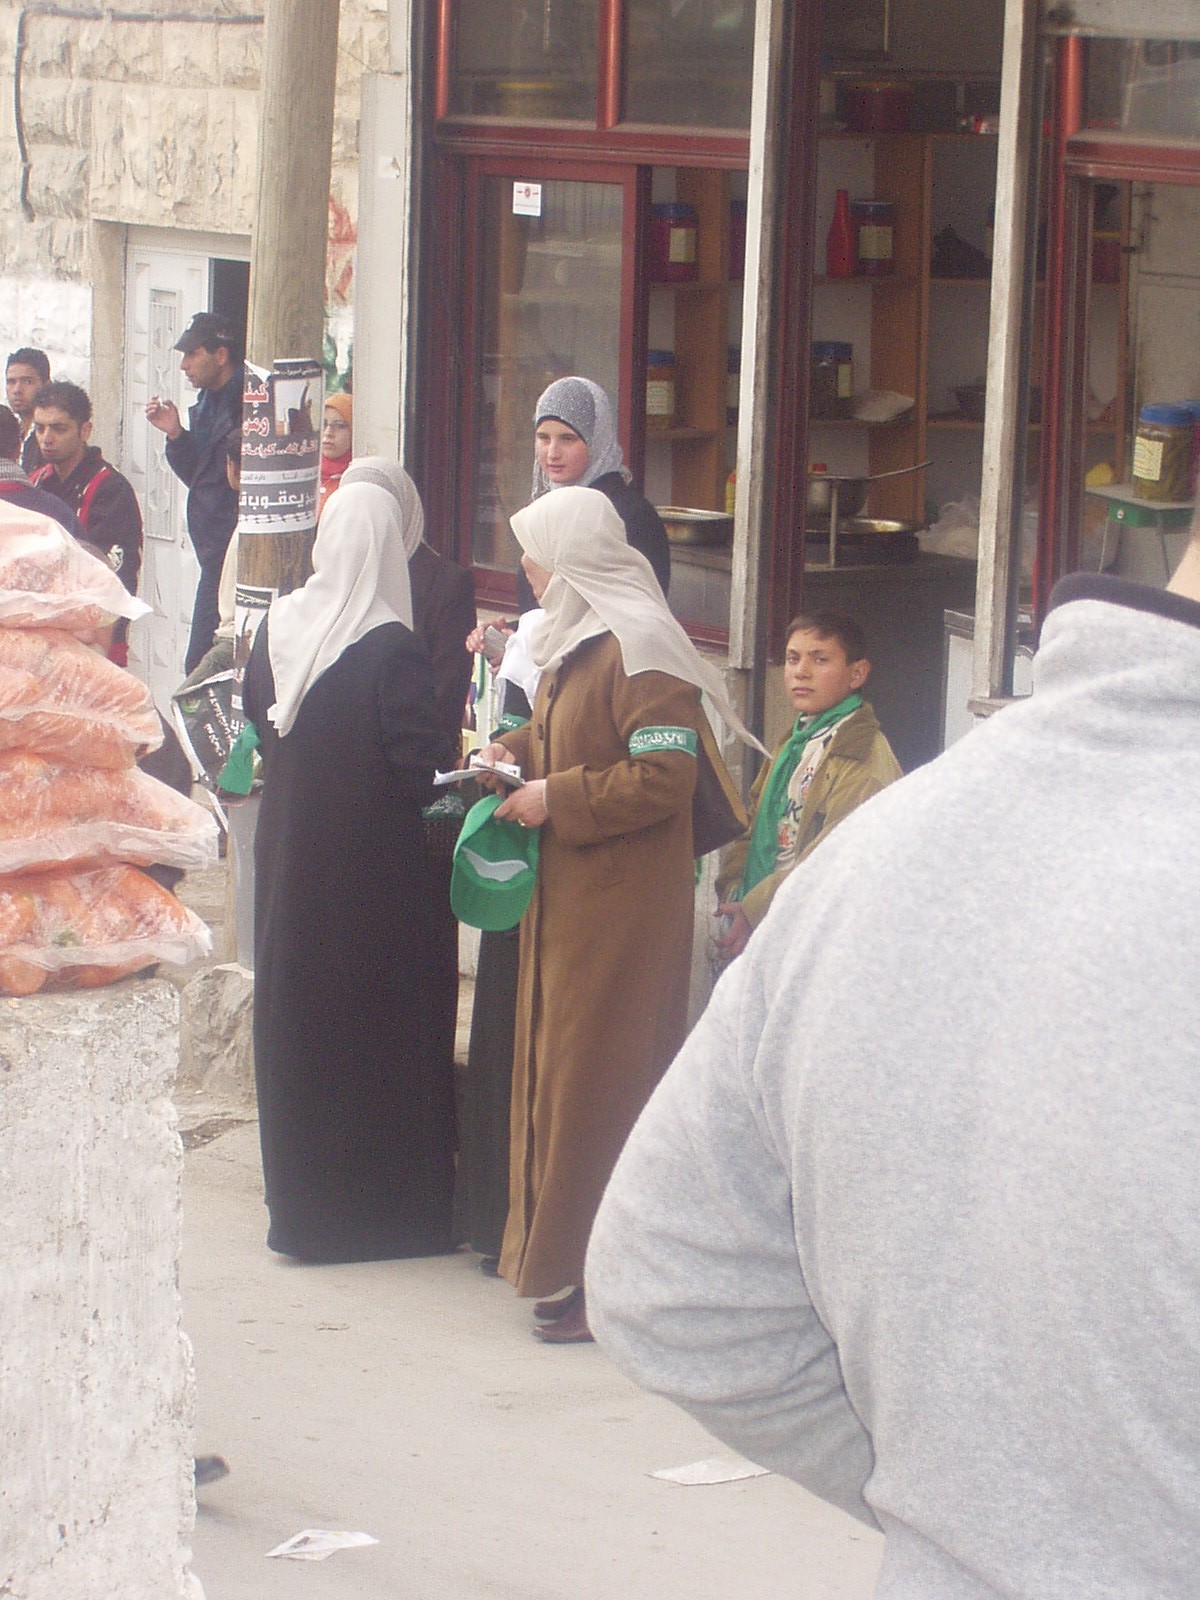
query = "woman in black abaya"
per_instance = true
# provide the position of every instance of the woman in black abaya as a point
(355, 1104)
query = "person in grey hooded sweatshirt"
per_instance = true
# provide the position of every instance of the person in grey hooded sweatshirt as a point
(914, 1217)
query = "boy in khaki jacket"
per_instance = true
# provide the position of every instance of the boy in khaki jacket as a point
(835, 758)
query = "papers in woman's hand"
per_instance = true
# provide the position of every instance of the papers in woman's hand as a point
(504, 770)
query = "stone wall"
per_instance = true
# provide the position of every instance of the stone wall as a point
(95, 1372)
(153, 124)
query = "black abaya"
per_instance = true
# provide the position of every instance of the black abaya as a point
(355, 1095)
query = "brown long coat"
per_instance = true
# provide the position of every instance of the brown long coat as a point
(605, 948)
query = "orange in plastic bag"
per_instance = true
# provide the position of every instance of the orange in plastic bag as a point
(80, 930)
(52, 815)
(47, 579)
(62, 699)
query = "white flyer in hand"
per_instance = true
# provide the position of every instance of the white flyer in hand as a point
(504, 770)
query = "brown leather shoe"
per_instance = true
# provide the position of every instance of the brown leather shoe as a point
(552, 1310)
(570, 1328)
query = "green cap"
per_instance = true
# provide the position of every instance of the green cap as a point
(495, 867)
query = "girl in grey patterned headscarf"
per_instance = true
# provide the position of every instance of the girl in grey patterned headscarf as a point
(584, 407)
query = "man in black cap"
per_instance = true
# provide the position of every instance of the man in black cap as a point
(212, 363)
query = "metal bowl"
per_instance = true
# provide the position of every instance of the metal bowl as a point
(690, 525)
(852, 495)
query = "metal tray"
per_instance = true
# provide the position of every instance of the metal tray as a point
(690, 525)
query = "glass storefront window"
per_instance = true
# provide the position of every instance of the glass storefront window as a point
(531, 60)
(1161, 88)
(688, 62)
(550, 305)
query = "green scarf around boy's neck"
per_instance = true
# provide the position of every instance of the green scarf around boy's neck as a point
(764, 837)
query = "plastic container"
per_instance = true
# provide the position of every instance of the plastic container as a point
(831, 384)
(874, 108)
(874, 236)
(660, 390)
(737, 240)
(1162, 452)
(674, 237)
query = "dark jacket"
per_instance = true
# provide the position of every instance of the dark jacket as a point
(20, 492)
(443, 597)
(197, 458)
(113, 516)
(643, 526)
(643, 529)
(31, 453)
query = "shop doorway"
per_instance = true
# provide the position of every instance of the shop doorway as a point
(168, 278)
(552, 265)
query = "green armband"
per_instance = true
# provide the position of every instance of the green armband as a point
(237, 775)
(649, 741)
(507, 723)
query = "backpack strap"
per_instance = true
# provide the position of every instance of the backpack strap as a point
(89, 494)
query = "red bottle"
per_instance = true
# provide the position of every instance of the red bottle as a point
(841, 259)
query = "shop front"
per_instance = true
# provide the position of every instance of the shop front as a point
(784, 243)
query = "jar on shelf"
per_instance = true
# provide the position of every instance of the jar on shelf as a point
(733, 385)
(660, 390)
(831, 382)
(874, 236)
(1194, 407)
(1162, 452)
(674, 238)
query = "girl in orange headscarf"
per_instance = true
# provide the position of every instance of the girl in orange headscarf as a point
(336, 446)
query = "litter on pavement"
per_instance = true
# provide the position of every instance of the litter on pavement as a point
(714, 1469)
(317, 1544)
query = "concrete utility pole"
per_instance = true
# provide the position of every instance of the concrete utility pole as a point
(287, 258)
(295, 139)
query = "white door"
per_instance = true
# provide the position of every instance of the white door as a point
(167, 280)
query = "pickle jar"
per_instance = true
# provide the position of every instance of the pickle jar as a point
(1162, 453)
(660, 390)
(874, 224)
(831, 392)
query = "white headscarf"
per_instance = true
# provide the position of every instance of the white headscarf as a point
(390, 475)
(600, 584)
(359, 582)
(583, 406)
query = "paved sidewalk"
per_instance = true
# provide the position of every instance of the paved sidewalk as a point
(410, 1401)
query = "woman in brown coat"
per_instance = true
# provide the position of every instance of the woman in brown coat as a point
(609, 758)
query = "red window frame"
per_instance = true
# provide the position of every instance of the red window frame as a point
(455, 502)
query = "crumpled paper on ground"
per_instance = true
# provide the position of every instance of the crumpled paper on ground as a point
(714, 1469)
(318, 1544)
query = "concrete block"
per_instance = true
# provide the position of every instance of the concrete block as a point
(139, 138)
(95, 1372)
(54, 115)
(245, 163)
(216, 1040)
(48, 48)
(122, 52)
(345, 141)
(10, 174)
(58, 181)
(54, 314)
(189, 54)
(107, 170)
(239, 57)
